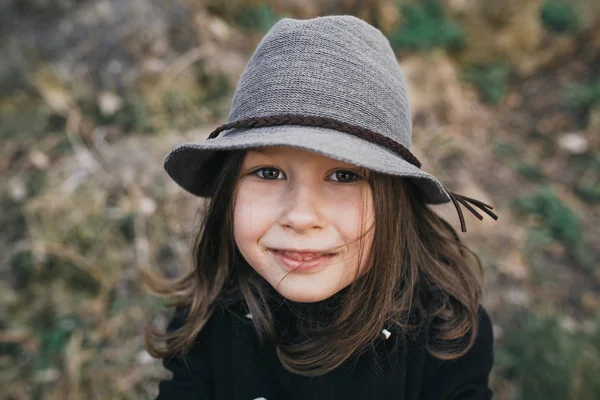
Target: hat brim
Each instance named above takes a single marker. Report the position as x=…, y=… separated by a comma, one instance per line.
x=187, y=163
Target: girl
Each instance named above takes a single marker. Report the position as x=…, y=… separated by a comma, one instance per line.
x=320, y=272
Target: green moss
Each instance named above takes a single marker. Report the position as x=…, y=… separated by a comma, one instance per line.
x=559, y=16
x=134, y=116
x=426, y=27
x=560, y=220
x=547, y=362
x=126, y=227
x=530, y=172
x=589, y=192
x=586, y=167
x=582, y=97
x=489, y=80
x=259, y=17
x=53, y=339
x=505, y=149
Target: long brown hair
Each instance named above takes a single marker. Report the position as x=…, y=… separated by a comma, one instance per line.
x=420, y=275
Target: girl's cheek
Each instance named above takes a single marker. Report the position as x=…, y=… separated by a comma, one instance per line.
x=352, y=210
x=259, y=201
x=253, y=207
x=351, y=199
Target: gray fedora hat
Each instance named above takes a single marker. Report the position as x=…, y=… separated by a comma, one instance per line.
x=331, y=85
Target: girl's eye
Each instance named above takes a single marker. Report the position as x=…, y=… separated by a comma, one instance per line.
x=268, y=173
x=344, y=176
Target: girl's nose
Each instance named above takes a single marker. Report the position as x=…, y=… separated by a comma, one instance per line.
x=303, y=210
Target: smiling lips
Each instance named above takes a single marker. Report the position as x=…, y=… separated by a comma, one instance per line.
x=300, y=256
x=295, y=260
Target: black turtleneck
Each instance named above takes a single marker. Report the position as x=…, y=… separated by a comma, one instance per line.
x=228, y=363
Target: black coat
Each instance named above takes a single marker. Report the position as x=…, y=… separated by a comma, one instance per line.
x=227, y=363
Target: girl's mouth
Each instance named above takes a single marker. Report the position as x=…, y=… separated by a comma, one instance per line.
x=302, y=261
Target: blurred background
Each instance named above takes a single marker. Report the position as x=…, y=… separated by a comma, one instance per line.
x=93, y=94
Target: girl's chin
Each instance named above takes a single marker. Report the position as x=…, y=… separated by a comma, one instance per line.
x=303, y=294
x=304, y=298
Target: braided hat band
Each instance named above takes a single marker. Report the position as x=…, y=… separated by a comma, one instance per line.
x=366, y=134
x=331, y=85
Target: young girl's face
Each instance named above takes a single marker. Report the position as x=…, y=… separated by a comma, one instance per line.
x=291, y=203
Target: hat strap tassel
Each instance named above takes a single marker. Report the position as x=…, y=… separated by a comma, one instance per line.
x=457, y=198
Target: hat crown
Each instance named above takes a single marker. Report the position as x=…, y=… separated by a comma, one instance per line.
x=337, y=67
